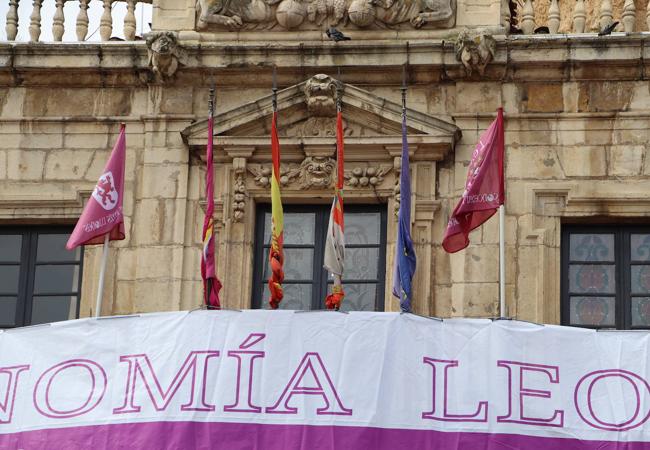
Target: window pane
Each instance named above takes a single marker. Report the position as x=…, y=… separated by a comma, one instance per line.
x=53, y=309
x=296, y=296
x=358, y=297
x=640, y=279
x=298, y=264
x=10, y=246
x=56, y=279
x=595, y=311
x=641, y=311
x=9, y=279
x=362, y=228
x=597, y=279
x=361, y=263
x=51, y=248
x=640, y=247
x=299, y=228
x=591, y=247
x=8, y=311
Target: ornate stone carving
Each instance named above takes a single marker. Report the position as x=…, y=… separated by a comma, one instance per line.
x=165, y=53
x=475, y=50
x=234, y=14
x=262, y=174
x=320, y=95
x=312, y=14
x=239, y=198
x=366, y=176
x=315, y=172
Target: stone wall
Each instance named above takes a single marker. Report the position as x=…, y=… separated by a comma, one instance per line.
x=576, y=141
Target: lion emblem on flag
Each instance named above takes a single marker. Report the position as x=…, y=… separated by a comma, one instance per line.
x=105, y=193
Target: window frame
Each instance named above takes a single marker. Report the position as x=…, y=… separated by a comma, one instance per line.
x=622, y=270
x=27, y=269
x=319, y=289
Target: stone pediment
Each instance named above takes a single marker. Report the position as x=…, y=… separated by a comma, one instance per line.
x=307, y=121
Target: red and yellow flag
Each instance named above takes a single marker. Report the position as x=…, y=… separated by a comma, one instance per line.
x=211, y=284
x=335, y=244
x=276, y=255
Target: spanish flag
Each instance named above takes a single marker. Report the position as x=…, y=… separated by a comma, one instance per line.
x=335, y=243
x=276, y=255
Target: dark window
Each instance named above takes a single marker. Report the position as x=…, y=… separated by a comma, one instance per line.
x=306, y=282
x=606, y=276
x=39, y=279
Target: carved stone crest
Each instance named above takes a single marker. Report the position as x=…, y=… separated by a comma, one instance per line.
x=165, y=53
x=475, y=50
x=312, y=14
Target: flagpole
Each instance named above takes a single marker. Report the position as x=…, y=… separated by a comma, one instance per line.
x=502, y=261
x=102, y=271
x=502, y=227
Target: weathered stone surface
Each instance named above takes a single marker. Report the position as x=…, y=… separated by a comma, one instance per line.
x=542, y=97
x=583, y=161
x=25, y=165
x=626, y=160
x=67, y=164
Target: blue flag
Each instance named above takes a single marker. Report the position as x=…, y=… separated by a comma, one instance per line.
x=405, y=257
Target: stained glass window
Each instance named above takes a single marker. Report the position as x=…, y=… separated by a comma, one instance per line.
x=39, y=279
x=606, y=276
x=306, y=283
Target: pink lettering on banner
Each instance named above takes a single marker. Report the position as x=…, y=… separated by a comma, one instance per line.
x=440, y=409
x=7, y=404
x=95, y=385
x=140, y=367
x=311, y=363
x=583, y=400
x=245, y=362
x=518, y=391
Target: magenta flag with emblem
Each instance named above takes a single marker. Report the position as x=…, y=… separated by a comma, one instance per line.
x=484, y=188
x=103, y=213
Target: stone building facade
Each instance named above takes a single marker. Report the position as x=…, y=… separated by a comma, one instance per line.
x=577, y=110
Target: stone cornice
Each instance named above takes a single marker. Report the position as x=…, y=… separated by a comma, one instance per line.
x=518, y=58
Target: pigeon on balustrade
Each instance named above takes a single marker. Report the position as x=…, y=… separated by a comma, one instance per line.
x=608, y=29
x=336, y=35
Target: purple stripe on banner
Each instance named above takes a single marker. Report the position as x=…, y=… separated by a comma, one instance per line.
x=250, y=436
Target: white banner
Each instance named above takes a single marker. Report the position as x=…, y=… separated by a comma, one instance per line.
x=321, y=380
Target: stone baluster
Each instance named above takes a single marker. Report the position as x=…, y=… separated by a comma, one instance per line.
x=579, y=17
x=629, y=16
x=57, y=22
x=12, y=20
x=106, y=22
x=35, y=21
x=129, y=21
x=553, y=17
x=82, y=20
x=605, y=13
x=528, y=18
x=647, y=15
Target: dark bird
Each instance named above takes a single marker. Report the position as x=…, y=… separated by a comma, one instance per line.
x=336, y=35
x=542, y=30
x=514, y=30
x=608, y=29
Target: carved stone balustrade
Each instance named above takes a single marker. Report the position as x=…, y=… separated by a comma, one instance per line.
x=81, y=24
